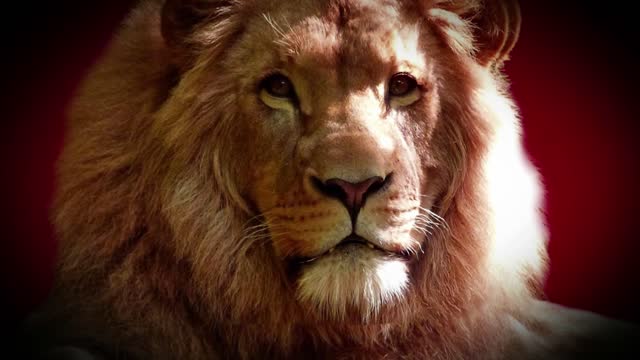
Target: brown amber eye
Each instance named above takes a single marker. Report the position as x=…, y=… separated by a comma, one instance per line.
x=278, y=85
x=402, y=84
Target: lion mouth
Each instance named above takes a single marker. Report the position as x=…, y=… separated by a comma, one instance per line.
x=354, y=242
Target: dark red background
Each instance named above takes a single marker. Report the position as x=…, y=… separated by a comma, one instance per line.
x=573, y=75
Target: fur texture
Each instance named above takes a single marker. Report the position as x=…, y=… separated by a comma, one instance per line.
x=190, y=225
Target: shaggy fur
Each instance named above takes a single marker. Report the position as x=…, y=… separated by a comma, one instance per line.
x=186, y=202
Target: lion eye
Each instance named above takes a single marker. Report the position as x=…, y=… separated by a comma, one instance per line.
x=402, y=84
x=278, y=85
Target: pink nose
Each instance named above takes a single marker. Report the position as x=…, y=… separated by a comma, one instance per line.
x=352, y=195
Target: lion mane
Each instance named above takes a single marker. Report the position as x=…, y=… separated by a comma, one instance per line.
x=167, y=245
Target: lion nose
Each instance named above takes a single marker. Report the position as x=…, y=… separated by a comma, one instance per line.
x=352, y=195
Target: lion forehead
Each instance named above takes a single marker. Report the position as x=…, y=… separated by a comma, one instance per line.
x=354, y=36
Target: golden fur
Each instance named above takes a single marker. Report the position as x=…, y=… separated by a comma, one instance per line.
x=184, y=192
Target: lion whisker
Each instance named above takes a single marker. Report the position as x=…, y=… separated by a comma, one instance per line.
x=434, y=218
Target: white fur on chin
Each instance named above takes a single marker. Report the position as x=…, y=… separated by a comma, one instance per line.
x=352, y=278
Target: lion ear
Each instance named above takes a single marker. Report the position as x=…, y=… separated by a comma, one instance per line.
x=181, y=18
x=490, y=26
x=497, y=30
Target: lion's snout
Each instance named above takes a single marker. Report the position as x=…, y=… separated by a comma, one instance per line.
x=358, y=187
x=351, y=195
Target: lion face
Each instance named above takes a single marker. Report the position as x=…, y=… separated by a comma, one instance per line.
x=341, y=109
x=346, y=133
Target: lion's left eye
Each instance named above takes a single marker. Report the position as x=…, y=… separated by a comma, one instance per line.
x=277, y=92
x=279, y=86
x=402, y=84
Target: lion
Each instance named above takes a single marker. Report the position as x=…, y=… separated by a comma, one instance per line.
x=318, y=179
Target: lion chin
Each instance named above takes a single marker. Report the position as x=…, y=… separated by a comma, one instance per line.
x=354, y=277
x=319, y=178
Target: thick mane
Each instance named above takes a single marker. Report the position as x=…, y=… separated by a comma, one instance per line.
x=158, y=210
x=153, y=225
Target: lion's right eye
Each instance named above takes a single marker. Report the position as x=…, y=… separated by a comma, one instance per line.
x=278, y=85
x=403, y=90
